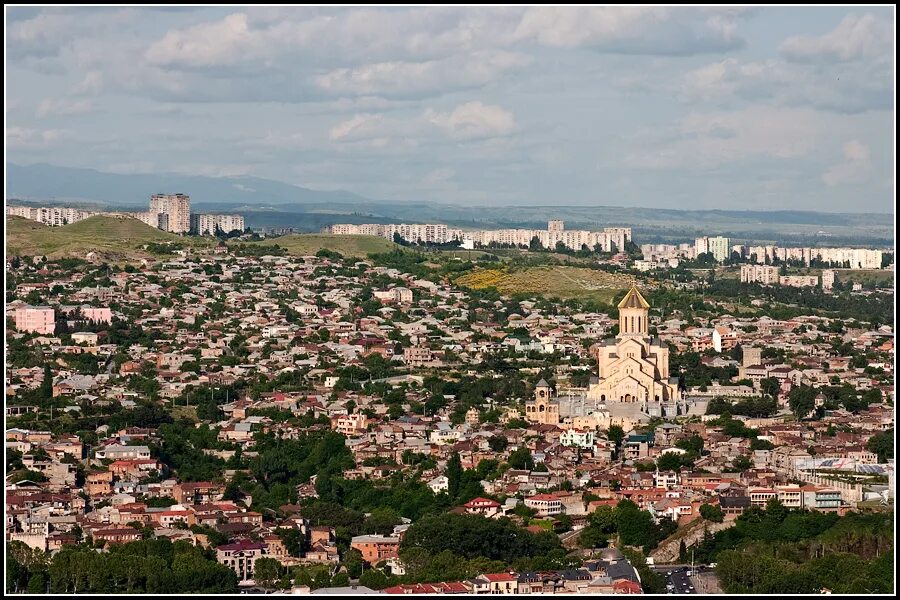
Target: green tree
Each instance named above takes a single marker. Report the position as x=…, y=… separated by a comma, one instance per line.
x=454, y=473
x=712, y=513
x=266, y=571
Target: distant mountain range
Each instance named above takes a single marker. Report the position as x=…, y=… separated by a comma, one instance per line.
x=49, y=182
x=268, y=203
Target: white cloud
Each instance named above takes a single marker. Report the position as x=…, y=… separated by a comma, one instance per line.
x=707, y=140
x=864, y=87
x=357, y=127
x=63, y=107
x=473, y=120
x=25, y=138
x=856, y=37
x=222, y=43
x=415, y=78
x=632, y=29
x=857, y=165
x=92, y=84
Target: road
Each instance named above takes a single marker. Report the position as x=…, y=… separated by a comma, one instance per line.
x=677, y=580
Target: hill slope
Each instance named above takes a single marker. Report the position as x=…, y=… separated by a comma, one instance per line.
x=113, y=237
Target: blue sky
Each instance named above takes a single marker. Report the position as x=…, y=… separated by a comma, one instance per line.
x=760, y=108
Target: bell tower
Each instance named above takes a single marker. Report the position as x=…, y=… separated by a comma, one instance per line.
x=633, y=312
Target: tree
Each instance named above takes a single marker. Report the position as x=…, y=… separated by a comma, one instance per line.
x=521, y=458
x=266, y=571
x=802, y=400
x=454, y=473
x=882, y=444
x=712, y=513
x=770, y=386
x=497, y=443
x=616, y=434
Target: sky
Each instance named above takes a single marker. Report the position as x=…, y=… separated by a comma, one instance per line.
x=761, y=108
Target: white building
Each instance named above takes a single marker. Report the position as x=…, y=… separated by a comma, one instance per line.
x=209, y=224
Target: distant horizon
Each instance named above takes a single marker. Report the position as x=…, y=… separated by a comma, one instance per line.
x=365, y=199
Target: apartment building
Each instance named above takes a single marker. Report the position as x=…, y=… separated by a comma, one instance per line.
x=53, y=216
x=763, y=274
x=608, y=239
x=209, y=224
x=176, y=207
x=799, y=280
x=36, y=319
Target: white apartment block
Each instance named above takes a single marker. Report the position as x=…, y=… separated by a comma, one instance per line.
x=718, y=246
x=827, y=280
x=763, y=274
x=852, y=258
x=54, y=216
x=208, y=224
x=438, y=233
x=177, y=208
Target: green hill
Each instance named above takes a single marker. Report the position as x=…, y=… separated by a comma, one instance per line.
x=305, y=244
x=114, y=237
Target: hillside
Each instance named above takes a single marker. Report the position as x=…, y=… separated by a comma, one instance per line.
x=306, y=244
x=557, y=281
x=115, y=238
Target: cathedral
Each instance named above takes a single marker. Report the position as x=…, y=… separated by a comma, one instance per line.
x=632, y=382
x=634, y=368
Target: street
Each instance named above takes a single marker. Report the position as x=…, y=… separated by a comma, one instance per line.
x=677, y=580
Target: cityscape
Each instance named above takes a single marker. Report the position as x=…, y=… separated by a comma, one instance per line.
x=486, y=381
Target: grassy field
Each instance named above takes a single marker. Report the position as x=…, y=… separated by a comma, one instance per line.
x=115, y=238
x=557, y=281
x=879, y=277
x=306, y=244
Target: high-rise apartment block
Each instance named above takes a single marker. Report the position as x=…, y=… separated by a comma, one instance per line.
x=176, y=207
x=827, y=280
x=720, y=248
x=204, y=224
x=717, y=246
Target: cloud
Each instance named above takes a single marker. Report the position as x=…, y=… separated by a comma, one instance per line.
x=855, y=38
x=25, y=138
x=228, y=42
x=473, y=120
x=357, y=127
x=63, y=107
x=466, y=122
x=91, y=84
x=632, y=29
x=393, y=79
x=857, y=165
x=709, y=140
x=862, y=88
